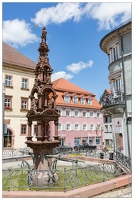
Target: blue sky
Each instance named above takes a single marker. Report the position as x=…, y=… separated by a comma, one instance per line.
x=74, y=32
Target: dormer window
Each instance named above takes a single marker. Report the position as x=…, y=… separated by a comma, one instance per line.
x=90, y=101
x=67, y=98
x=75, y=99
x=83, y=100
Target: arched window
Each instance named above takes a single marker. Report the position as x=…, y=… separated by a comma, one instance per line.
x=90, y=101
x=75, y=99
x=67, y=98
x=76, y=127
x=7, y=139
x=83, y=100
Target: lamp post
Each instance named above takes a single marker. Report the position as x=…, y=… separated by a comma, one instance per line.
x=102, y=136
x=3, y=106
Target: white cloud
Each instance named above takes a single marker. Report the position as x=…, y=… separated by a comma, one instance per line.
x=108, y=15
x=61, y=74
x=58, y=14
x=18, y=33
x=77, y=67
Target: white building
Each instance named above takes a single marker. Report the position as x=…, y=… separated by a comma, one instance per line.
x=118, y=46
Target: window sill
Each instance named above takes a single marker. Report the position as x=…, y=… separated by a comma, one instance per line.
x=25, y=89
x=23, y=110
x=9, y=87
x=8, y=108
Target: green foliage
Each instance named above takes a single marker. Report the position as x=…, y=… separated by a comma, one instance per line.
x=68, y=178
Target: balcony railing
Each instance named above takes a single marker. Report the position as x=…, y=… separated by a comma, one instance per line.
x=117, y=97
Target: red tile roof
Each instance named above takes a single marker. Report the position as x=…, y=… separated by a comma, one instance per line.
x=62, y=86
x=12, y=56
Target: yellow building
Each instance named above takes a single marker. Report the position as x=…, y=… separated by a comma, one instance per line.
x=18, y=77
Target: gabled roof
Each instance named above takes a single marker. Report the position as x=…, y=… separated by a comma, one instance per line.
x=62, y=86
x=12, y=56
x=66, y=86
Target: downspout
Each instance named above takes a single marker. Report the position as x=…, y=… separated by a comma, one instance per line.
x=123, y=70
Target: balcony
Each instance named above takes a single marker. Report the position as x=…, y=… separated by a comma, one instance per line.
x=111, y=99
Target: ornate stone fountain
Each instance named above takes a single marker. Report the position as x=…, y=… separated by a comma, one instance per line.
x=43, y=110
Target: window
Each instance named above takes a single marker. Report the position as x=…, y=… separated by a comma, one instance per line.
x=84, y=127
x=91, y=141
x=8, y=102
x=98, y=127
x=91, y=114
x=23, y=129
x=24, y=83
x=35, y=130
x=60, y=112
x=75, y=99
x=105, y=119
x=106, y=128
x=97, y=140
x=8, y=80
x=90, y=102
x=117, y=84
x=83, y=100
x=68, y=127
x=59, y=126
x=24, y=103
x=7, y=138
x=84, y=140
x=67, y=112
x=67, y=98
x=98, y=114
x=84, y=114
x=76, y=113
x=91, y=126
x=114, y=53
x=76, y=141
x=76, y=127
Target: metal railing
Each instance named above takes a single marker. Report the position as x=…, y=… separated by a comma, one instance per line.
x=113, y=98
x=24, y=177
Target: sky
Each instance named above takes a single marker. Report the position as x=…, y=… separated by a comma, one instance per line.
x=74, y=32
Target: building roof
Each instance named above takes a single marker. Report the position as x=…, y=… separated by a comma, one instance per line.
x=62, y=86
x=66, y=86
x=12, y=56
x=123, y=28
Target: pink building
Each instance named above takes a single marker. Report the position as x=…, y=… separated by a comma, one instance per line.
x=80, y=118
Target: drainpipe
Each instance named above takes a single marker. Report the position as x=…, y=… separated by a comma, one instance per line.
x=122, y=55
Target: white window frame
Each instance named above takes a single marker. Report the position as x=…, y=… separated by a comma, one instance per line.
x=59, y=111
x=8, y=80
x=92, y=125
x=67, y=98
x=75, y=113
x=68, y=114
x=83, y=100
x=84, y=127
x=114, y=53
x=24, y=83
x=59, y=126
x=92, y=113
x=8, y=101
x=68, y=125
x=90, y=101
x=76, y=129
x=75, y=99
x=83, y=113
x=98, y=113
x=24, y=103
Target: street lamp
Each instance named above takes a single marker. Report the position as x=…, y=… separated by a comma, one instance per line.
x=3, y=105
x=102, y=136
